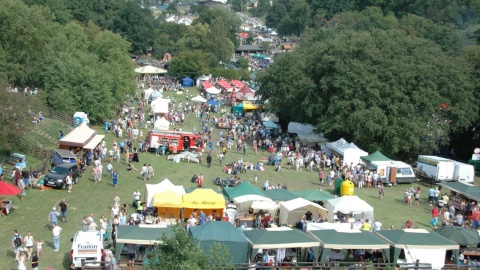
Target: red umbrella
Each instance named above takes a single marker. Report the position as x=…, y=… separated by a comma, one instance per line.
x=7, y=189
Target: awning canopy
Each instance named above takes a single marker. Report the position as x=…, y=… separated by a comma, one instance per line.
x=470, y=191
x=416, y=238
x=314, y=195
x=376, y=156
x=282, y=237
x=199, y=99
x=78, y=137
x=94, y=142
x=140, y=235
x=351, y=239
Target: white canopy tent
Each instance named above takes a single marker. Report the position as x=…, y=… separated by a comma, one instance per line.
x=160, y=105
x=300, y=129
x=245, y=201
x=150, y=70
x=163, y=186
x=352, y=205
x=350, y=152
x=213, y=91
x=147, y=93
x=269, y=117
x=264, y=205
x=162, y=124
x=199, y=98
x=292, y=211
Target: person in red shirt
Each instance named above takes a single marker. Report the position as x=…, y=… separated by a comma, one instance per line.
x=200, y=181
x=409, y=224
x=434, y=216
x=476, y=219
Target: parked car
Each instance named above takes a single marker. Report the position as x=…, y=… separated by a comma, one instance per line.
x=57, y=175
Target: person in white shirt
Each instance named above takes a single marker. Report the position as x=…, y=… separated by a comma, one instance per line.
x=56, y=231
x=136, y=197
x=377, y=226
x=144, y=172
x=109, y=169
x=115, y=210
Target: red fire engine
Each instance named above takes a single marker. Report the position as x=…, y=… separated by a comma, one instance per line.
x=176, y=141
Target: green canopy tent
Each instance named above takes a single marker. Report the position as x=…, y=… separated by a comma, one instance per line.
x=314, y=195
x=224, y=233
x=238, y=109
x=245, y=188
x=469, y=191
x=279, y=194
x=377, y=156
x=259, y=56
x=352, y=239
x=283, y=237
x=419, y=244
x=140, y=235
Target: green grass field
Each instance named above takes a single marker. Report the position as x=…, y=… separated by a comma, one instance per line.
x=88, y=197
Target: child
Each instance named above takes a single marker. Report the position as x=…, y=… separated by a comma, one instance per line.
x=41, y=182
x=39, y=247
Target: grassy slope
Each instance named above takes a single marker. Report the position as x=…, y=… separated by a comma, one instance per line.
x=88, y=197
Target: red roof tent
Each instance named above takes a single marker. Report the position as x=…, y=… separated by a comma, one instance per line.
x=206, y=85
x=223, y=84
x=245, y=92
x=237, y=84
x=243, y=35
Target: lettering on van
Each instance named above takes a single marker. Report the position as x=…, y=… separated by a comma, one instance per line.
x=87, y=248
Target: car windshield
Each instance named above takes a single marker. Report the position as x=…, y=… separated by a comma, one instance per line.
x=59, y=170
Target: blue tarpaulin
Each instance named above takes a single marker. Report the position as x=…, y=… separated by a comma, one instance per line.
x=187, y=82
x=212, y=102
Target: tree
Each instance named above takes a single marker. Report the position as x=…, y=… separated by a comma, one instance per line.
x=189, y=63
x=230, y=20
x=242, y=63
x=15, y=116
x=180, y=251
x=217, y=44
x=275, y=14
x=136, y=25
x=381, y=89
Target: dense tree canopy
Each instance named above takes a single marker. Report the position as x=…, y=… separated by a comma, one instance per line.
x=78, y=67
x=383, y=89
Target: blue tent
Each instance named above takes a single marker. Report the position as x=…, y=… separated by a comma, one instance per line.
x=187, y=82
x=212, y=102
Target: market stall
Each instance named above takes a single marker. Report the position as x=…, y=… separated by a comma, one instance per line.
x=233, y=239
x=376, y=156
x=462, y=192
x=418, y=244
x=351, y=154
x=292, y=211
x=168, y=204
x=82, y=137
x=278, y=238
x=350, y=239
x=165, y=185
x=140, y=235
x=349, y=205
x=203, y=199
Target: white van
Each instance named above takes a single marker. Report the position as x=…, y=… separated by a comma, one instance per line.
x=88, y=246
x=464, y=172
x=392, y=172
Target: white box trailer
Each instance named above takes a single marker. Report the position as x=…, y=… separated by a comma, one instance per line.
x=464, y=172
x=392, y=172
x=437, y=168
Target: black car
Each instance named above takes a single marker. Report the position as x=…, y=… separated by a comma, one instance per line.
x=56, y=176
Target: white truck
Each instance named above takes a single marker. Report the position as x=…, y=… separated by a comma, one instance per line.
x=393, y=172
x=464, y=173
x=87, y=246
x=435, y=168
